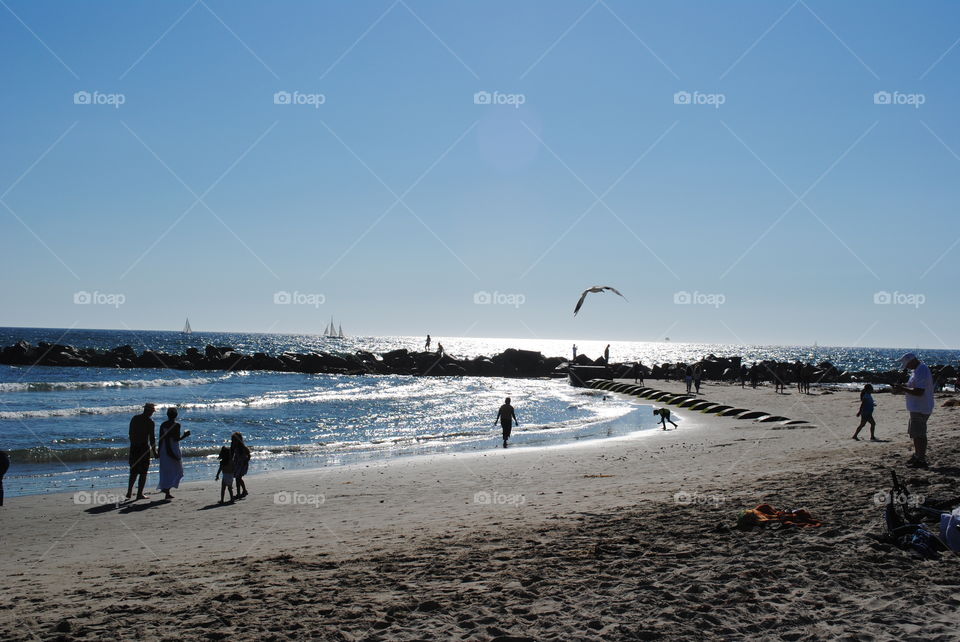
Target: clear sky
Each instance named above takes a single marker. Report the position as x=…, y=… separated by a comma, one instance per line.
x=781, y=193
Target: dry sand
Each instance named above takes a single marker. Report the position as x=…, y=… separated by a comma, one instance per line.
x=572, y=542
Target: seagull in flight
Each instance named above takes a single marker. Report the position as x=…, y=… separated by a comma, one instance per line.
x=596, y=288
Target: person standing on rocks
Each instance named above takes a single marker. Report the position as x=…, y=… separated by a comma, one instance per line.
x=426, y=346
x=507, y=417
x=143, y=445
x=574, y=351
x=919, y=398
x=606, y=355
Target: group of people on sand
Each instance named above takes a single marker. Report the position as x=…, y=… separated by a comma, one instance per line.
x=918, y=392
x=780, y=374
x=144, y=446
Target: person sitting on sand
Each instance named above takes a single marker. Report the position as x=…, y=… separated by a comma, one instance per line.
x=240, y=456
x=171, y=462
x=507, y=416
x=664, y=417
x=866, y=412
x=225, y=469
x=143, y=444
x=4, y=467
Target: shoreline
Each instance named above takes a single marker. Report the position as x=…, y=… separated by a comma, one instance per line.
x=450, y=450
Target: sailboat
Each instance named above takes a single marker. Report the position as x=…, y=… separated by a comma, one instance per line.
x=332, y=331
x=186, y=327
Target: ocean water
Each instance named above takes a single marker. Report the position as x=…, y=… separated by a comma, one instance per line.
x=66, y=428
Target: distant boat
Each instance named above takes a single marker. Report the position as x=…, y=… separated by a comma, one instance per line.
x=186, y=327
x=332, y=331
x=666, y=338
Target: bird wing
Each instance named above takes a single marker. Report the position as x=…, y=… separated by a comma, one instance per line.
x=580, y=302
x=615, y=291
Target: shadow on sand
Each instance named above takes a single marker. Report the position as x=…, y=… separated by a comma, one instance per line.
x=136, y=508
x=217, y=505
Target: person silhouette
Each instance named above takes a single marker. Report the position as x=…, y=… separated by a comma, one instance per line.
x=143, y=445
x=426, y=346
x=507, y=416
x=171, y=459
x=4, y=467
x=606, y=354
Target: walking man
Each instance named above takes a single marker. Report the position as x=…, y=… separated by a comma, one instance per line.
x=507, y=417
x=143, y=445
x=919, y=397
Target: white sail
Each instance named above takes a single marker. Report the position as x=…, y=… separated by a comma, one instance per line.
x=186, y=327
x=340, y=333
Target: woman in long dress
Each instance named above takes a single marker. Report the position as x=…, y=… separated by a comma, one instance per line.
x=171, y=464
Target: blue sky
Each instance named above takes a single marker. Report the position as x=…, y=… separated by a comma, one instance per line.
x=785, y=212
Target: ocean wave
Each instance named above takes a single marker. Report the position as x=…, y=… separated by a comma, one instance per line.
x=58, y=386
x=279, y=398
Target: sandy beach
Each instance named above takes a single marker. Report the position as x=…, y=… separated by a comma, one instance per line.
x=626, y=538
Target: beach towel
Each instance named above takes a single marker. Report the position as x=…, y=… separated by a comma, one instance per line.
x=767, y=515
